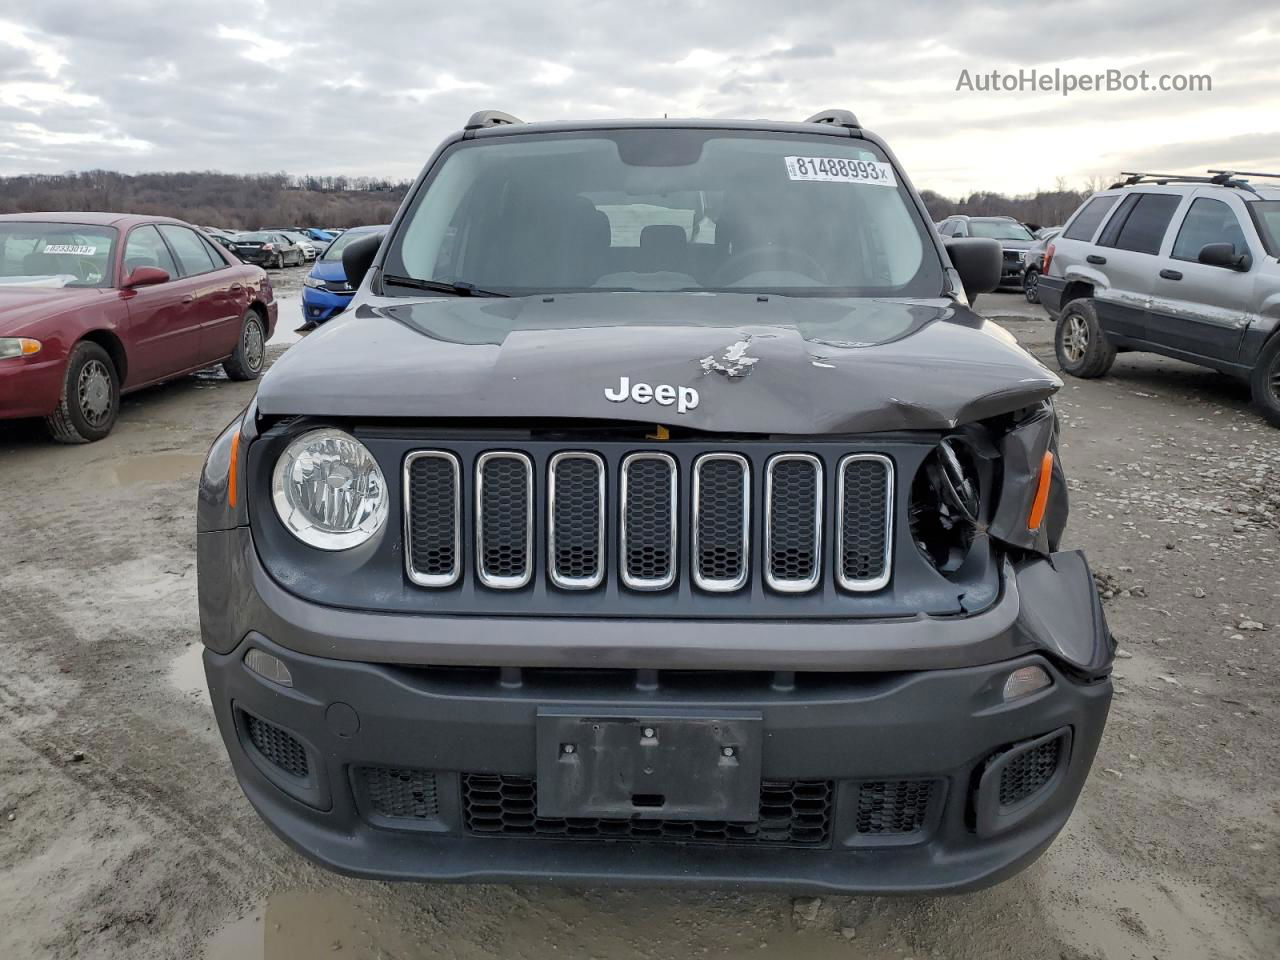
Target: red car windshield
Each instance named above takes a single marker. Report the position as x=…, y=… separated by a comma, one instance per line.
x=56, y=254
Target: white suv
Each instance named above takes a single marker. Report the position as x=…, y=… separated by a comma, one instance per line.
x=1181, y=266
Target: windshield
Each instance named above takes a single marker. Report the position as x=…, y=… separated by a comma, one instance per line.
x=334, y=250
x=1266, y=214
x=56, y=254
x=999, y=230
x=667, y=210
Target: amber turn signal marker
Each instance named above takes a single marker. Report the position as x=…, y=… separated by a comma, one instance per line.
x=232, y=473
x=1041, y=501
x=28, y=346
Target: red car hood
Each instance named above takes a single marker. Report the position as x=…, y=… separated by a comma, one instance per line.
x=22, y=306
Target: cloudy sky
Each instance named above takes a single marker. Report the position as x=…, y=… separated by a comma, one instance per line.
x=327, y=88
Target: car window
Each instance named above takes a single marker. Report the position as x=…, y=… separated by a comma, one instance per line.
x=1085, y=223
x=669, y=210
x=144, y=248
x=1208, y=221
x=191, y=252
x=334, y=250
x=1266, y=217
x=218, y=259
x=1143, y=229
x=55, y=254
x=999, y=230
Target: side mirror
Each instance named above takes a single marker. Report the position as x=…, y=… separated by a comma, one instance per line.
x=979, y=262
x=358, y=256
x=146, y=277
x=1224, y=255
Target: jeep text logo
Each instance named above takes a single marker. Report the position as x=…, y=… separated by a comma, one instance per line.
x=685, y=398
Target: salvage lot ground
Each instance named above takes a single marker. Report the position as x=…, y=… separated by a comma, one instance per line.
x=123, y=833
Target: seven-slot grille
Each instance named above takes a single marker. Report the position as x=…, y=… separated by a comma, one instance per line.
x=577, y=506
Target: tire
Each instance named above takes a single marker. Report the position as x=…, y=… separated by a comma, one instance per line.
x=1031, y=286
x=251, y=350
x=90, y=399
x=1265, y=381
x=1082, y=348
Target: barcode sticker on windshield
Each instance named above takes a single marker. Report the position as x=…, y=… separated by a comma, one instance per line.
x=75, y=249
x=832, y=170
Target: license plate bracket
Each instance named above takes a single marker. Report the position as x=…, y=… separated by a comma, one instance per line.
x=659, y=766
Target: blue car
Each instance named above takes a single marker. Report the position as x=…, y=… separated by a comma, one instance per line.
x=326, y=292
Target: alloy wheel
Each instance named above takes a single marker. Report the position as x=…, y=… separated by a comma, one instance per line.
x=1075, y=339
x=93, y=392
x=254, y=349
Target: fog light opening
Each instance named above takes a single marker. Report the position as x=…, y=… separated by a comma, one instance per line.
x=1025, y=681
x=273, y=668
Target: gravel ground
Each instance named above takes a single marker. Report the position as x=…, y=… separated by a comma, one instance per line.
x=124, y=834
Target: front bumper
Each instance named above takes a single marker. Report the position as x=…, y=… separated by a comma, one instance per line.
x=321, y=305
x=432, y=733
x=31, y=386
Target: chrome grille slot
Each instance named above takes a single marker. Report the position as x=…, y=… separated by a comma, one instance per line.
x=864, y=521
x=648, y=524
x=504, y=519
x=793, y=522
x=721, y=521
x=433, y=518
x=575, y=520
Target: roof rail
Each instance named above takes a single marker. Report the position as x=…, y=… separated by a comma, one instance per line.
x=490, y=118
x=839, y=118
x=1221, y=178
x=1247, y=173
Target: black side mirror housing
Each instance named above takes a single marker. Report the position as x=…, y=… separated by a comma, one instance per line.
x=1224, y=255
x=979, y=262
x=358, y=256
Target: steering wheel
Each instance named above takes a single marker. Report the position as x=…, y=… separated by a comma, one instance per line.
x=85, y=270
x=758, y=258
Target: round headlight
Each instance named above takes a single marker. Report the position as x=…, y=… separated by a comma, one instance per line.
x=329, y=491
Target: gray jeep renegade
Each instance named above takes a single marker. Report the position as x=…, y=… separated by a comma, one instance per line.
x=658, y=512
x=1181, y=266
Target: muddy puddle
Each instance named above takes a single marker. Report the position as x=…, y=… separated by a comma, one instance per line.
x=157, y=468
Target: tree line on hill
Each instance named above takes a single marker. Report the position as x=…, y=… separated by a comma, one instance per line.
x=253, y=201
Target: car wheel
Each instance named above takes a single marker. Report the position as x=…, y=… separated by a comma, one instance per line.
x=90, y=399
x=1083, y=349
x=251, y=351
x=1031, y=286
x=1265, y=381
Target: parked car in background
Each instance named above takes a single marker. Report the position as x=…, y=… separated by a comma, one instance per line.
x=1014, y=238
x=269, y=248
x=95, y=305
x=318, y=236
x=1181, y=266
x=325, y=291
x=226, y=243
x=301, y=239
x=1035, y=262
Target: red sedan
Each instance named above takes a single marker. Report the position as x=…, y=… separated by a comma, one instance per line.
x=94, y=305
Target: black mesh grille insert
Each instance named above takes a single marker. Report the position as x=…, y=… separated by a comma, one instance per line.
x=720, y=530
x=576, y=515
x=1030, y=770
x=276, y=745
x=888, y=807
x=504, y=525
x=793, y=521
x=649, y=551
x=400, y=794
x=863, y=520
x=433, y=520
x=792, y=813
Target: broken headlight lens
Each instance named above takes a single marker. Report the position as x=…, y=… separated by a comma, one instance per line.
x=329, y=491
x=946, y=504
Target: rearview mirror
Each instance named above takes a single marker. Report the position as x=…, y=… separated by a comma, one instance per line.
x=978, y=261
x=1224, y=255
x=146, y=277
x=357, y=258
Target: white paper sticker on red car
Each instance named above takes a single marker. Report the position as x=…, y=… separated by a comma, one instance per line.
x=76, y=250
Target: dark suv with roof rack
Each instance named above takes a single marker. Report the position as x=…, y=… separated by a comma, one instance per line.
x=1181, y=266
x=657, y=512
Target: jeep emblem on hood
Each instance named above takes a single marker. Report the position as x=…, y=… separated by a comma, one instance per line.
x=685, y=398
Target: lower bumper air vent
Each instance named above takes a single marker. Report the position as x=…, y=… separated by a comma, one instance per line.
x=893, y=807
x=276, y=746
x=399, y=794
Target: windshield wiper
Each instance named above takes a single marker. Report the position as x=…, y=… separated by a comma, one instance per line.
x=459, y=288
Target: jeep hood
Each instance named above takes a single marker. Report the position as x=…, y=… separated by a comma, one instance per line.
x=775, y=365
